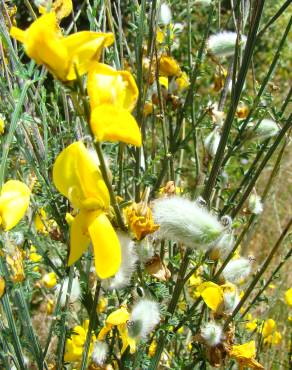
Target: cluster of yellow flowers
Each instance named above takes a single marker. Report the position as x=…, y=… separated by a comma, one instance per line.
x=113, y=95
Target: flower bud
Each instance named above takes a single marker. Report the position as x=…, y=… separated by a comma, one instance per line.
x=184, y=221
x=223, y=43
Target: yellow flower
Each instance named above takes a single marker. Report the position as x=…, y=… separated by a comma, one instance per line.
x=15, y=261
x=159, y=36
x=140, y=220
x=2, y=124
x=49, y=280
x=75, y=344
x=288, y=297
x=152, y=348
x=268, y=328
x=274, y=338
x=113, y=95
x=212, y=295
x=50, y=306
x=34, y=256
x=2, y=286
x=62, y=8
x=245, y=354
x=14, y=201
x=78, y=178
x=163, y=81
x=44, y=43
x=42, y=223
x=252, y=324
x=182, y=81
x=168, y=66
x=102, y=304
x=119, y=318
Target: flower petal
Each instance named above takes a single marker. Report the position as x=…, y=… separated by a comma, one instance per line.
x=79, y=236
x=107, y=86
x=212, y=295
x=14, y=201
x=106, y=246
x=83, y=48
x=111, y=124
x=77, y=176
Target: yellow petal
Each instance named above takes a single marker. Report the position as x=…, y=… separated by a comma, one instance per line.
x=83, y=48
x=14, y=201
x=103, y=332
x=79, y=235
x=44, y=43
x=106, y=246
x=118, y=317
x=107, y=86
x=246, y=350
x=212, y=295
x=77, y=176
x=111, y=124
x=269, y=327
x=126, y=339
x=2, y=286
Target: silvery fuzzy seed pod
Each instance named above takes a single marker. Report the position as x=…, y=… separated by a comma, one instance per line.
x=129, y=259
x=255, y=204
x=185, y=222
x=225, y=244
x=99, y=352
x=211, y=143
x=265, y=129
x=212, y=334
x=222, y=44
x=237, y=269
x=164, y=14
x=144, y=317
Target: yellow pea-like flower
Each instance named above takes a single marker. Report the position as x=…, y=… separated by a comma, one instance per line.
x=119, y=318
x=44, y=42
x=245, y=355
x=113, y=95
x=77, y=176
x=212, y=295
x=14, y=201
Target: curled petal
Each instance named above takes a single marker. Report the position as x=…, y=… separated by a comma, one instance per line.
x=111, y=124
x=14, y=201
x=106, y=246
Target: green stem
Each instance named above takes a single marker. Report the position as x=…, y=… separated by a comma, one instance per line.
x=91, y=326
x=248, y=52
